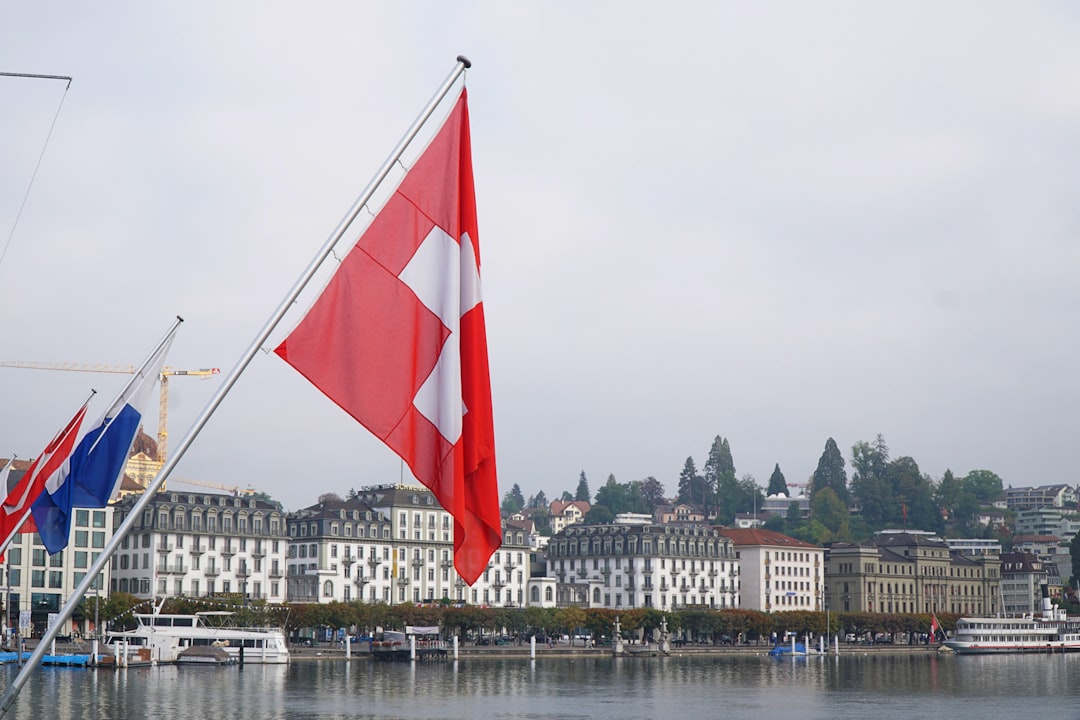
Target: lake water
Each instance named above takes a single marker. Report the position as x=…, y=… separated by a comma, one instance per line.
x=884, y=687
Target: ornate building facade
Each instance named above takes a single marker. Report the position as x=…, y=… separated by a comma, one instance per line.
x=905, y=572
x=201, y=545
x=643, y=566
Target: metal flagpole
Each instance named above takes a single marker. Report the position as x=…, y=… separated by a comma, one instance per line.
x=4, y=474
x=135, y=513
x=99, y=564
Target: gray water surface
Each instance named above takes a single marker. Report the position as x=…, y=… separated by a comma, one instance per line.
x=675, y=688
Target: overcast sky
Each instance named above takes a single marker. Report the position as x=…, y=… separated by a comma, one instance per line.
x=775, y=222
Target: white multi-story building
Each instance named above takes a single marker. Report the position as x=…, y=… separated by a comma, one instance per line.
x=643, y=566
x=43, y=583
x=421, y=548
x=778, y=572
x=1047, y=521
x=202, y=545
x=1027, y=498
x=339, y=551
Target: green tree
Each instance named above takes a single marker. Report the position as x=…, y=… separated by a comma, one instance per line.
x=691, y=485
x=827, y=509
x=777, y=483
x=966, y=514
x=914, y=496
x=875, y=496
x=569, y=619
x=652, y=491
x=539, y=500
x=541, y=518
x=635, y=498
x=830, y=472
x=613, y=496
x=583, y=494
x=513, y=501
x=947, y=493
x=599, y=515
x=984, y=484
x=721, y=485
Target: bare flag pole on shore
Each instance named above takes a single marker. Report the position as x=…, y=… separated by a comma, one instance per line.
x=136, y=511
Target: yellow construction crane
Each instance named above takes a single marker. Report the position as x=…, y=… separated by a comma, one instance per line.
x=234, y=489
x=166, y=373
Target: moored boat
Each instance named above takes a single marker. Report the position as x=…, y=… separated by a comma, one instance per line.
x=165, y=637
x=1052, y=632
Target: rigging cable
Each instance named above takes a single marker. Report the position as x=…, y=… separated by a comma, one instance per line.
x=41, y=156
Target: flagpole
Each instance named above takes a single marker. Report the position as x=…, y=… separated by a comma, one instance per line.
x=135, y=378
x=99, y=564
x=135, y=513
x=4, y=474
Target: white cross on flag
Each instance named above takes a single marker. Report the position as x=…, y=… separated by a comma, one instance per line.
x=397, y=340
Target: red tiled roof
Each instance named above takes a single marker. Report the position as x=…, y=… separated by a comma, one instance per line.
x=761, y=536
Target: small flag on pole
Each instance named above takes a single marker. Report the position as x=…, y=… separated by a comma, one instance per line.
x=397, y=340
x=89, y=478
x=15, y=511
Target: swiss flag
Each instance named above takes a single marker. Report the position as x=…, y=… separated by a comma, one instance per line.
x=16, y=505
x=397, y=340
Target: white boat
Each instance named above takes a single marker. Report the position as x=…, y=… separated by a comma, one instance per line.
x=164, y=637
x=1052, y=632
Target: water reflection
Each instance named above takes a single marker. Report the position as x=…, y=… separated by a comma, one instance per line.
x=852, y=686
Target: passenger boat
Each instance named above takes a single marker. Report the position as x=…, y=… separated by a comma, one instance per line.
x=167, y=636
x=1052, y=632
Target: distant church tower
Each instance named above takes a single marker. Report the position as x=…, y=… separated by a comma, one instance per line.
x=142, y=464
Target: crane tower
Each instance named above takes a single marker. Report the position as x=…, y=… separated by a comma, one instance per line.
x=166, y=373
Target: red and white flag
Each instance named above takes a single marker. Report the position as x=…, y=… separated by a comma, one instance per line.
x=397, y=340
x=935, y=627
x=17, y=503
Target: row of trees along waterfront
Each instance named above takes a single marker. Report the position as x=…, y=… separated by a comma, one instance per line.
x=692, y=624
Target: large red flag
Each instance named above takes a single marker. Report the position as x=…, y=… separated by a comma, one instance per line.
x=397, y=340
x=17, y=502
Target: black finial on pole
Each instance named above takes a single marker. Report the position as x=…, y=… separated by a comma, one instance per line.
x=464, y=61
